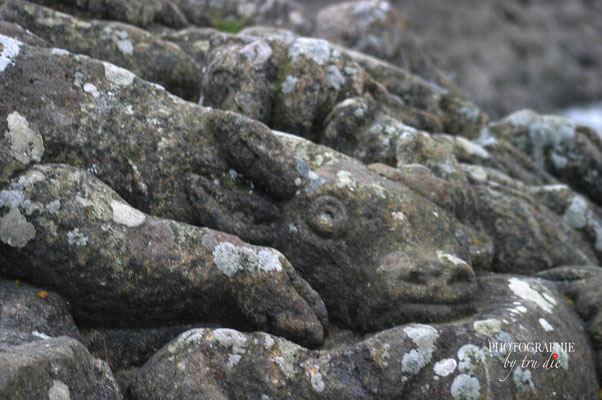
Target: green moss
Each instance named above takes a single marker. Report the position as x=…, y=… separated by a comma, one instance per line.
x=229, y=26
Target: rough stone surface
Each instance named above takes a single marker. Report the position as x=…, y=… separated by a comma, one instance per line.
x=137, y=12
x=119, y=266
x=377, y=28
x=350, y=232
x=298, y=81
x=401, y=362
x=508, y=211
x=568, y=151
x=34, y=311
x=233, y=15
x=129, y=47
x=55, y=368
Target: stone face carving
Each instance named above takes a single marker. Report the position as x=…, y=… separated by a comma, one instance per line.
x=358, y=234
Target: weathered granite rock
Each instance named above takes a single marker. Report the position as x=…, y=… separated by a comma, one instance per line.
x=137, y=12
x=292, y=84
x=126, y=350
x=372, y=27
x=153, y=59
x=527, y=236
x=575, y=210
x=35, y=311
x=451, y=361
x=57, y=368
x=233, y=15
x=364, y=242
x=583, y=284
x=570, y=152
x=121, y=267
x=16, y=31
x=376, y=27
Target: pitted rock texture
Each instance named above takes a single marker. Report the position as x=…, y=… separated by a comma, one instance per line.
x=129, y=47
x=34, y=310
x=120, y=267
x=411, y=361
x=233, y=15
x=139, y=212
x=56, y=368
x=351, y=233
x=292, y=83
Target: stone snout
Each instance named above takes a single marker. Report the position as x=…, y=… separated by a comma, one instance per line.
x=443, y=279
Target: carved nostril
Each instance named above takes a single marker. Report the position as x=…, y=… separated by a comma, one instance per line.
x=460, y=273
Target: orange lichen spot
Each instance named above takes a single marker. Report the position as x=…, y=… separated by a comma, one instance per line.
x=18, y=282
x=570, y=301
x=476, y=241
x=43, y=294
x=313, y=371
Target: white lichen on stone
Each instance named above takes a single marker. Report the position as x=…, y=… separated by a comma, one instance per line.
x=288, y=358
x=9, y=50
x=545, y=132
x=92, y=89
x=230, y=259
x=576, y=215
x=523, y=290
x=445, y=366
x=317, y=383
x=465, y=387
x=476, y=173
x=334, y=79
x=59, y=52
x=11, y=198
x=563, y=358
x=424, y=336
x=117, y=75
x=472, y=148
x=545, y=325
x=53, y=207
x=487, y=327
x=317, y=50
x=41, y=335
x=257, y=52
x=450, y=258
x=469, y=356
x=289, y=84
x=15, y=231
x=77, y=238
x=126, y=215
x=58, y=391
x=25, y=144
x=345, y=180
x=126, y=47
x=233, y=340
x=523, y=381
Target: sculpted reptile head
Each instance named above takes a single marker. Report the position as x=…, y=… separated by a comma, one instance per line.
x=377, y=252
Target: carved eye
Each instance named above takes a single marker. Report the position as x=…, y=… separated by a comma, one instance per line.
x=328, y=217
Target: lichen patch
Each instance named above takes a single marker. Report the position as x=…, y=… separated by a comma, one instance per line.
x=25, y=144
x=15, y=231
x=9, y=50
x=118, y=75
x=523, y=290
x=126, y=215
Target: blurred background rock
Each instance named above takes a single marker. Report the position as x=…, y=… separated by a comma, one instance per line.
x=505, y=54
